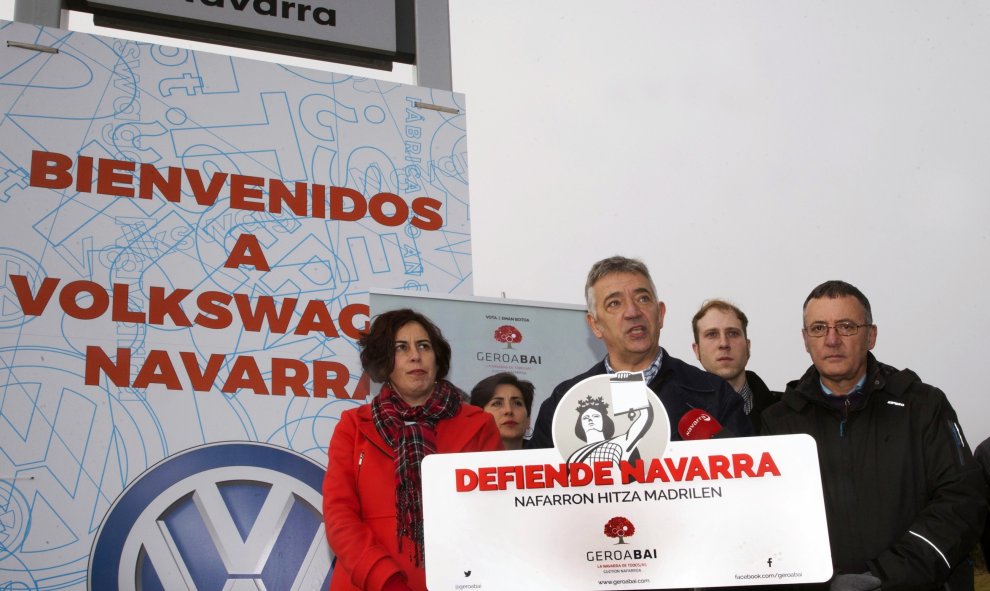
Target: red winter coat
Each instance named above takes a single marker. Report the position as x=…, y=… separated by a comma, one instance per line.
x=359, y=495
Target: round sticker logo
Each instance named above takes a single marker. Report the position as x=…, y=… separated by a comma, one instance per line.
x=610, y=418
x=220, y=516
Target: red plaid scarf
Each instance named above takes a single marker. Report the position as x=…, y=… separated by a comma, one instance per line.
x=411, y=432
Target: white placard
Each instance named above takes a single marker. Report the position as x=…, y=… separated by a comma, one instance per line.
x=724, y=512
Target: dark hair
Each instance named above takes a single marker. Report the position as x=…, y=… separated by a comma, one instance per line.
x=718, y=305
x=378, y=344
x=835, y=288
x=613, y=264
x=483, y=391
x=608, y=425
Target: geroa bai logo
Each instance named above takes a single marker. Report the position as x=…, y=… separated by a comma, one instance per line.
x=619, y=527
x=219, y=516
x=507, y=334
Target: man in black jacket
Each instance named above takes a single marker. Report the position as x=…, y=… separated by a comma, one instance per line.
x=625, y=313
x=904, y=499
x=721, y=344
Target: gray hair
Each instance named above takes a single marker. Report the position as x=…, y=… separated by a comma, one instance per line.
x=613, y=264
x=839, y=289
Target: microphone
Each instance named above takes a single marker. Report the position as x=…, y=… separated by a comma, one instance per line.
x=697, y=424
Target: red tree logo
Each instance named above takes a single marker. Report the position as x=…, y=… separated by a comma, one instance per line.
x=619, y=527
x=508, y=334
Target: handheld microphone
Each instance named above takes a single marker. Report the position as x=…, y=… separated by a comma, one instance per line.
x=697, y=424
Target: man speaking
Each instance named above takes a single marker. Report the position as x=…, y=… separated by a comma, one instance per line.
x=625, y=313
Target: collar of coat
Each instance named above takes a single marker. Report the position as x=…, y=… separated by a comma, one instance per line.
x=882, y=381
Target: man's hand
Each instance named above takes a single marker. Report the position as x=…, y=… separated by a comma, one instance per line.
x=863, y=582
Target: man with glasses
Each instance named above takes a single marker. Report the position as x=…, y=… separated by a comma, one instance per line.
x=904, y=499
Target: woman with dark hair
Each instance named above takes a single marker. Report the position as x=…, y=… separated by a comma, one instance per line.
x=372, y=494
x=509, y=400
x=597, y=428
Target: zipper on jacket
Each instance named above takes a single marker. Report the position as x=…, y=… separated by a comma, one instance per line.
x=360, y=461
x=845, y=417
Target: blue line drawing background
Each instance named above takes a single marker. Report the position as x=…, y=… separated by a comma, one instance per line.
x=66, y=449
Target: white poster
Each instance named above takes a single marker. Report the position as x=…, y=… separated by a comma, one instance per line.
x=697, y=517
x=188, y=241
x=539, y=342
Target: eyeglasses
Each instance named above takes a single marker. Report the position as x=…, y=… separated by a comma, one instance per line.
x=845, y=329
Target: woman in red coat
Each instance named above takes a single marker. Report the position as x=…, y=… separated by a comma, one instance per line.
x=372, y=495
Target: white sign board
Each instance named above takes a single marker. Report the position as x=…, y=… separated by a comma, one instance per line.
x=696, y=517
x=538, y=342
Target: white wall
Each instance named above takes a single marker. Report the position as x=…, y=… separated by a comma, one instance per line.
x=747, y=150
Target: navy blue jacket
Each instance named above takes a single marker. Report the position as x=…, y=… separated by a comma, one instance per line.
x=679, y=386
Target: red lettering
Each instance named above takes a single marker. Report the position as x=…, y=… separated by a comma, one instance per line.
x=283, y=380
x=121, y=311
x=245, y=374
x=718, y=467
x=157, y=369
x=245, y=188
x=534, y=477
x=506, y=474
x=767, y=465
x=358, y=204
x=696, y=470
x=657, y=472
x=33, y=305
x=84, y=174
x=555, y=475
x=110, y=181
x=581, y=474
x=264, y=310
x=632, y=472
x=151, y=178
x=50, y=170
x=603, y=473
x=161, y=305
x=316, y=317
x=428, y=210
x=486, y=479
x=205, y=196
x=279, y=194
x=213, y=311
x=742, y=465
x=202, y=381
x=247, y=251
x=97, y=362
x=69, y=300
x=467, y=480
x=322, y=383
x=318, y=195
x=378, y=213
x=347, y=317
x=676, y=470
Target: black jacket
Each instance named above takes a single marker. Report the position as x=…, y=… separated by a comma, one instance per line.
x=679, y=386
x=762, y=398
x=904, y=498
x=982, y=455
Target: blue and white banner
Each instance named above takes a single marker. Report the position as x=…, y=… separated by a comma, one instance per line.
x=188, y=241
